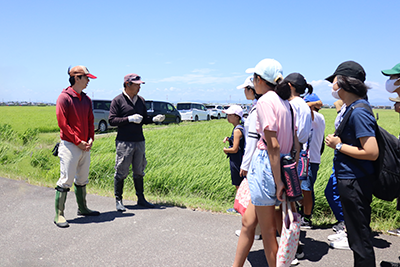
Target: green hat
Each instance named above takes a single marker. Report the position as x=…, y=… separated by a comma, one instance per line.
x=392, y=71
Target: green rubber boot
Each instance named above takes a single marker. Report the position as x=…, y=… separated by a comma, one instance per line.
x=61, y=197
x=80, y=193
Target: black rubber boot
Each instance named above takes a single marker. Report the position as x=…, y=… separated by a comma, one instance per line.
x=80, y=193
x=118, y=190
x=138, y=181
x=61, y=197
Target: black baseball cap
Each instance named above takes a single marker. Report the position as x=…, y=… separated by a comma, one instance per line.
x=349, y=69
x=296, y=79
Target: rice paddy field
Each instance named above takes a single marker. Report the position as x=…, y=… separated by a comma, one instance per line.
x=186, y=164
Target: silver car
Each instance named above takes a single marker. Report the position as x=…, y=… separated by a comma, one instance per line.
x=101, y=109
x=216, y=111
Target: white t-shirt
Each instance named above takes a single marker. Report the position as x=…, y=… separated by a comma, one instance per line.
x=318, y=128
x=303, y=118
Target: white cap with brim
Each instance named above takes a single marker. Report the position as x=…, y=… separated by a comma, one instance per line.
x=395, y=99
x=247, y=82
x=269, y=69
x=234, y=109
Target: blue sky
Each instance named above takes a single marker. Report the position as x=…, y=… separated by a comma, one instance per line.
x=190, y=50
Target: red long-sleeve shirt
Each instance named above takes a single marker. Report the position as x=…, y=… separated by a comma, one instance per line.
x=75, y=116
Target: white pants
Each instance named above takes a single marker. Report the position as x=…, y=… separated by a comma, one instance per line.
x=74, y=165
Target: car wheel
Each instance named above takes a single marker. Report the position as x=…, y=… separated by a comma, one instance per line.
x=102, y=126
x=208, y=117
x=196, y=118
x=177, y=120
x=219, y=116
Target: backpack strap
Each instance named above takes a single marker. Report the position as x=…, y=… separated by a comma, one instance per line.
x=342, y=124
x=346, y=117
x=241, y=129
x=294, y=151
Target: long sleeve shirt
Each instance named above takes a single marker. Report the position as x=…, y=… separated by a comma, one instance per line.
x=122, y=107
x=75, y=116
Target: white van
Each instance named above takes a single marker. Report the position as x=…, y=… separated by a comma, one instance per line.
x=101, y=109
x=192, y=111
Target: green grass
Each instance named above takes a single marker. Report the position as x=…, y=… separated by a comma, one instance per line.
x=186, y=164
x=21, y=118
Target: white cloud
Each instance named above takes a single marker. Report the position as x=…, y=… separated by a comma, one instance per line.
x=320, y=83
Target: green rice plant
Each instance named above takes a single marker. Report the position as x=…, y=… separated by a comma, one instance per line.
x=23, y=117
x=41, y=159
x=30, y=135
x=6, y=132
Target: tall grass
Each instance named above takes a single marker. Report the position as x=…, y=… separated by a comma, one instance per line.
x=186, y=164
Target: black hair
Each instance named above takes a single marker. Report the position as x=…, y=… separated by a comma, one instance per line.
x=283, y=90
x=352, y=85
x=127, y=84
x=72, y=79
x=302, y=90
x=256, y=96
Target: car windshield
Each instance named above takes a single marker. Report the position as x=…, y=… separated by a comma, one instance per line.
x=148, y=105
x=183, y=106
x=211, y=107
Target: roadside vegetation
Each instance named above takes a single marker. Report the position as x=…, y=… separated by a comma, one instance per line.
x=186, y=164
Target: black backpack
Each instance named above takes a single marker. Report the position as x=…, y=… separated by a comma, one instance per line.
x=387, y=167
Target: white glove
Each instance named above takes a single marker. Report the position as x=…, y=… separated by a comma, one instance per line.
x=159, y=118
x=135, y=118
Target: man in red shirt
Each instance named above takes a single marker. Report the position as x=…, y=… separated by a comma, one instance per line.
x=75, y=119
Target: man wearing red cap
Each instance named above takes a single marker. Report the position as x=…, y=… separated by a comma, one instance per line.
x=128, y=112
x=75, y=119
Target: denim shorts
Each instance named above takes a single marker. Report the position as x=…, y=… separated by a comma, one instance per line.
x=308, y=184
x=261, y=181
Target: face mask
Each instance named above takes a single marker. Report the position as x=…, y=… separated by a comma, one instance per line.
x=335, y=93
x=390, y=87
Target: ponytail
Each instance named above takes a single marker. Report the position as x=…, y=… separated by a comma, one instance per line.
x=310, y=88
x=283, y=90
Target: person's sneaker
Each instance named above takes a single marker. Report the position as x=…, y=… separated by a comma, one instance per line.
x=394, y=232
x=231, y=210
x=389, y=264
x=294, y=262
x=256, y=237
x=339, y=235
x=305, y=223
x=299, y=252
x=342, y=243
x=339, y=226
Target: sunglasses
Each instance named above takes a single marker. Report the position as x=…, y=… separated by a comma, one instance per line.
x=137, y=78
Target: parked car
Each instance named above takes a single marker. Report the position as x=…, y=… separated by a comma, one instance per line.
x=246, y=110
x=165, y=108
x=215, y=111
x=191, y=111
x=101, y=109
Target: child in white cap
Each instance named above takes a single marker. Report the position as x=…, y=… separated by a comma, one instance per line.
x=235, y=151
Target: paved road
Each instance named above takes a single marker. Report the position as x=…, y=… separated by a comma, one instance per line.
x=166, y=236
